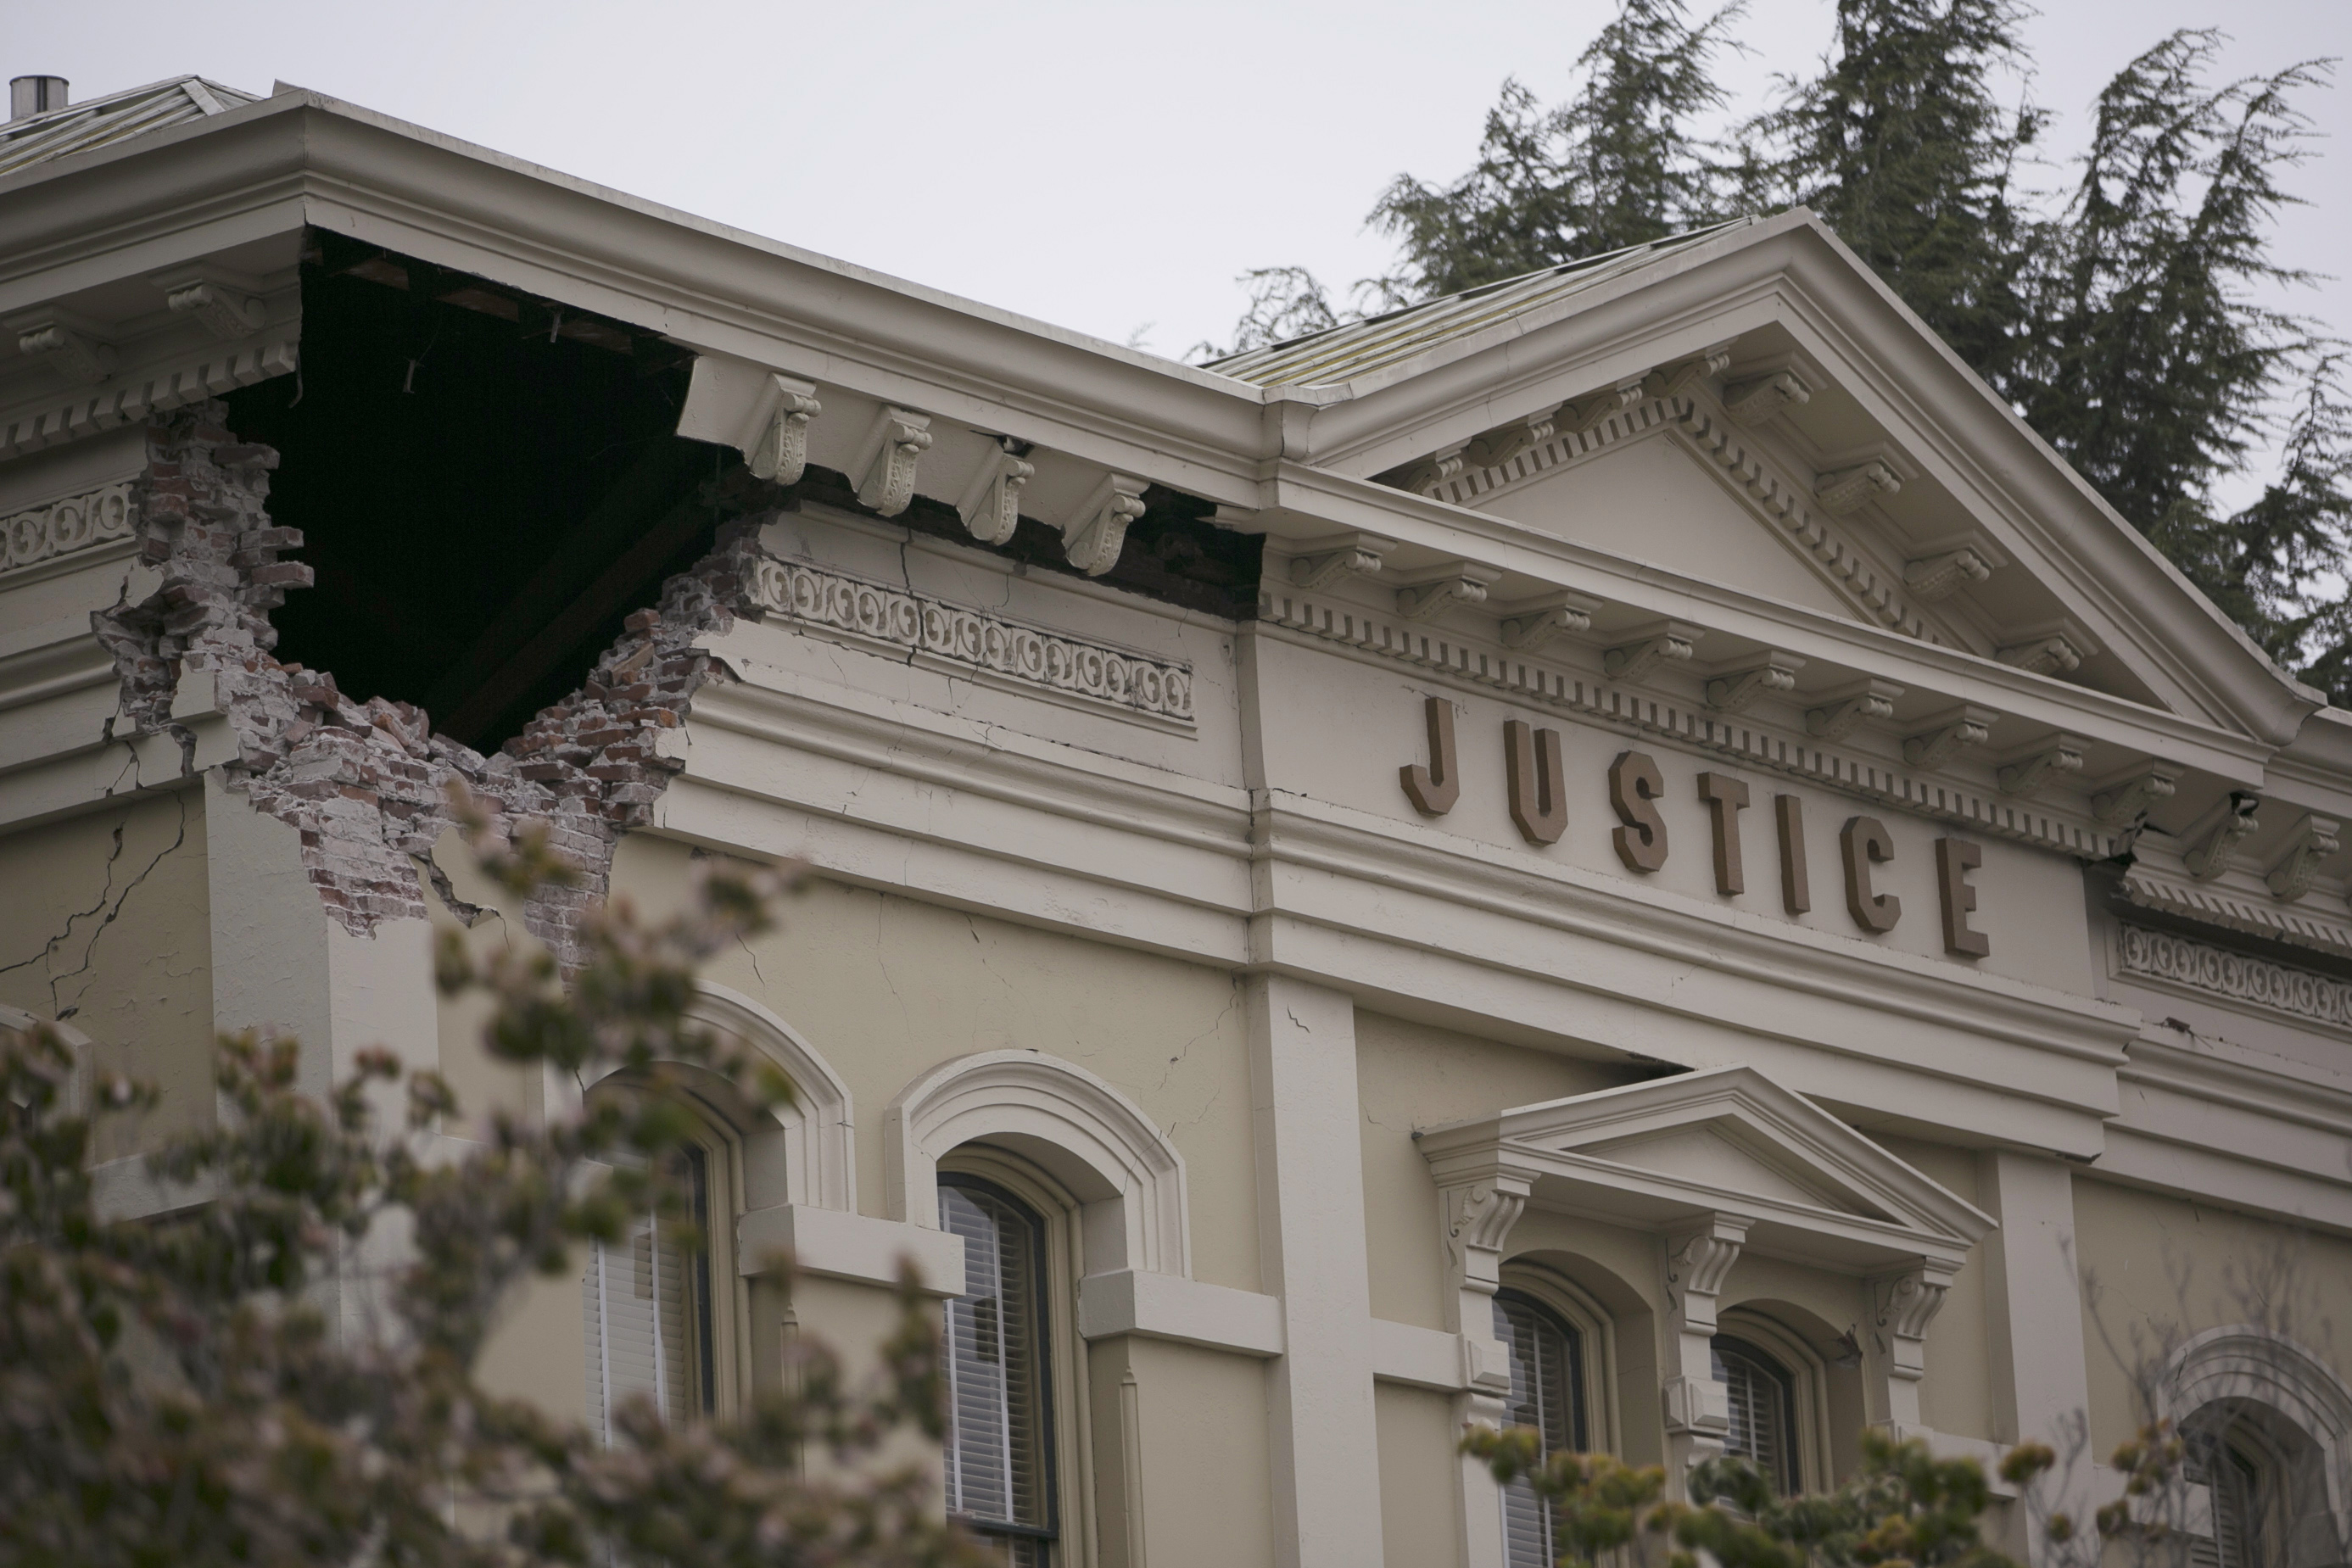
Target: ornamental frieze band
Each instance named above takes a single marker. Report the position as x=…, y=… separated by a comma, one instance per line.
x=2159, y=956
x=63, y=527
x=1119, y=677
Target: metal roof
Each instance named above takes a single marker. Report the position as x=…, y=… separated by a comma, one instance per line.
x=1343, y=353
x=117, y=117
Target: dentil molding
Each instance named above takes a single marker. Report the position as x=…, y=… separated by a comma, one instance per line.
x=1120, y=679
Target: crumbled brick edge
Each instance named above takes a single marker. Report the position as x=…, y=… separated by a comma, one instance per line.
x=366, y=784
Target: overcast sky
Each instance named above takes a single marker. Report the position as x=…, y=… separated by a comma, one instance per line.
x=1110, y=167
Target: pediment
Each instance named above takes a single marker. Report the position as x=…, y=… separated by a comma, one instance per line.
x=1727, y=1153
x=1876, y=474
x=1727, y=1142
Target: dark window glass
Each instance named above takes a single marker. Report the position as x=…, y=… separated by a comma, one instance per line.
x=999, y=1446
x=647, y=1303
x=1546, y=1394
x=1763, y=1411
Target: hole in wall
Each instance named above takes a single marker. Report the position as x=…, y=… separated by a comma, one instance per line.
x=487, y=483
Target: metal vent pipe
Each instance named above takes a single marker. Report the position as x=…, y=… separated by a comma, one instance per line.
x=34, y=95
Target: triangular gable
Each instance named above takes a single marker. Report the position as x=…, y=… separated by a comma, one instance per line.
x=1860, y=447
x=1725, y=1142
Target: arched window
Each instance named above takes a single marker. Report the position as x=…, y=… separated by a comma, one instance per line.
x=648, y=1304
x=2268, y=1426
x=1548, y=1394
x=1000, y=1448
x=1763, y=1411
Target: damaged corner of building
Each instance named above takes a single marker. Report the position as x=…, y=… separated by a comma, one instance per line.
x=460, y=546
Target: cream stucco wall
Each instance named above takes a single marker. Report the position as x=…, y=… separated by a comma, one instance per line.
x=1411, y=1076
x=2157, y=1270
x=886, y=988
x=105, y=924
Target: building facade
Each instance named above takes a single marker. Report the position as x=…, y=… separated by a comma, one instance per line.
x=1628, y=853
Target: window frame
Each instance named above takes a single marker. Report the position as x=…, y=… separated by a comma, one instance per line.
x=727, y=1298
x=1809, y=1408
x=1578, y=1308
x=1061, y=1352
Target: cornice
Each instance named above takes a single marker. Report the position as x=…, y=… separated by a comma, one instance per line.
x=2203, y=1073
x=1307, y=503
x=2237, y=898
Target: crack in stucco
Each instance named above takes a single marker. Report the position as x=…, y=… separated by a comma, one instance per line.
x=1233, y=1000
x=105, y=911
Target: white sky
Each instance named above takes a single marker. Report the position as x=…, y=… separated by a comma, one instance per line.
x=1110, y=167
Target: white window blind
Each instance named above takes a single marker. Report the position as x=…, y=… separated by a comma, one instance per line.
x=1762, y=1411
x=2235, y=1480
x=997, y=1453
x=1546, y=1386
x=644, y=1303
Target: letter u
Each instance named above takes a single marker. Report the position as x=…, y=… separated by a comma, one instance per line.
x=1538, y=803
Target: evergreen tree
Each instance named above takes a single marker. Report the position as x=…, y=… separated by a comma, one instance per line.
x=1620, y=164
x=1903, y=147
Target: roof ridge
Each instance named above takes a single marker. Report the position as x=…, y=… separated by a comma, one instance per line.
x=1377, y=338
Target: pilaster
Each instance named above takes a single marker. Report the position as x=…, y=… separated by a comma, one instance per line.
x=282, y=967
x=2040, y=1374
x=1310, y=1193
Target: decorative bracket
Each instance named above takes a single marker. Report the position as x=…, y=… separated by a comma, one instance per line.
x=1965, y=726
x=1845, y=710
x=1652, y=646
x=2054, y=654
x=1594, y=411
x=1457, y=582
x=1846, y=490
x=991, y=507
x=225, y=310
x=1499, y=445
x=2027, y=775
x=1529, y=623
x=2129, y=799
x=66, y=342
x=1673, y=379
x=1735, y=689
x=2311, y=842
x=2215, y=836
x=1754, y=401
x=1095, y=535
x=886, y=465
x=1321, y=562
x=1902, y=1306
x=1423, y=478
x=1936, y=577
x=1696, y=1406
x=778, y=449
